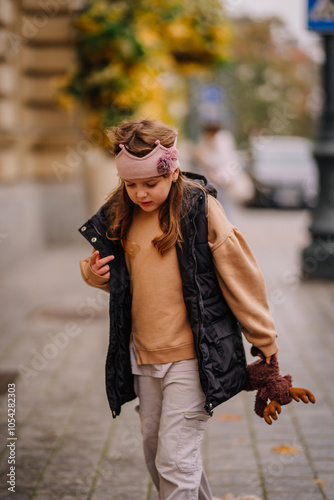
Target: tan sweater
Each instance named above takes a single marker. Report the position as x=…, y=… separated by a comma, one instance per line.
x=160, y=326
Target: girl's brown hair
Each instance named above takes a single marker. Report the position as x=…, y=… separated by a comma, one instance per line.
x=139, y=139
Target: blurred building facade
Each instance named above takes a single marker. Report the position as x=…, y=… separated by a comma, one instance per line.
x=41, y=176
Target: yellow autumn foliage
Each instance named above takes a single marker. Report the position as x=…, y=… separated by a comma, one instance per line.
x=135, y=56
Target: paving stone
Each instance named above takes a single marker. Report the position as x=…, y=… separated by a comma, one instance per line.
x=305, y=484
x=294, y=495
x=287, y=470
x=69, y=447
x=221, y=489
x=328, y=484
x=324, y=465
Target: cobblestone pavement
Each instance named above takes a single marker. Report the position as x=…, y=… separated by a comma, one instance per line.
x=54, y=334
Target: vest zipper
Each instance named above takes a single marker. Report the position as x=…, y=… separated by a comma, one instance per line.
x=118, y=398
x=209, y=406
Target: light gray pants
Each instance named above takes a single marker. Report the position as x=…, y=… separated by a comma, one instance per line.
x=173, y=421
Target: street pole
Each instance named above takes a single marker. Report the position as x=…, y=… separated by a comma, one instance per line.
x=318, y=257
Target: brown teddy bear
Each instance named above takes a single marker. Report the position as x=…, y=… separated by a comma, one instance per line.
x=270, y=385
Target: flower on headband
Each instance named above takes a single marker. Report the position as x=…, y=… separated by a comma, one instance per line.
x=166, y=161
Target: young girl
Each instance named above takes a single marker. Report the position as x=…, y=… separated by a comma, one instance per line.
x=183, y=284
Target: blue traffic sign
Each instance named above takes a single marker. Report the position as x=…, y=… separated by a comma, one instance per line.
x=321, y=15
x=212, y=103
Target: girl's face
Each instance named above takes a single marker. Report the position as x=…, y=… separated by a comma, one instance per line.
x=150, y=193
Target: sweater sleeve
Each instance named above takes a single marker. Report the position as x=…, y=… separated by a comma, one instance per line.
x=91, y=278
x=240, y=280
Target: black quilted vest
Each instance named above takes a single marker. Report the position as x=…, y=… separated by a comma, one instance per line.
x=217, y=336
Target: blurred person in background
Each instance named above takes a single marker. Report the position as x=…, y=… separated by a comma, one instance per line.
x=217, y=158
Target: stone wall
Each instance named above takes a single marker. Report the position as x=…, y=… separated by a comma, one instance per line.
x=36, y=133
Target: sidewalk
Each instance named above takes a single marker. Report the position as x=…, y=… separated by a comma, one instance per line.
x=54, y=332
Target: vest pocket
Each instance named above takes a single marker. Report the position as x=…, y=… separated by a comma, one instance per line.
x=228, y=344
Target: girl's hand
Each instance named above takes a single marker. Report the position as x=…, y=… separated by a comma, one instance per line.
x=100, y=266
x=274, y=356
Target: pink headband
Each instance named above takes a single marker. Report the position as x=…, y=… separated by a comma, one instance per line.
x=159, y=161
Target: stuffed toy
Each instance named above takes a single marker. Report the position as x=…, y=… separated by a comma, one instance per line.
x=270, y=385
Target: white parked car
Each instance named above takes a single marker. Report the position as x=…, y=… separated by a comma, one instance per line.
x=283, y=172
